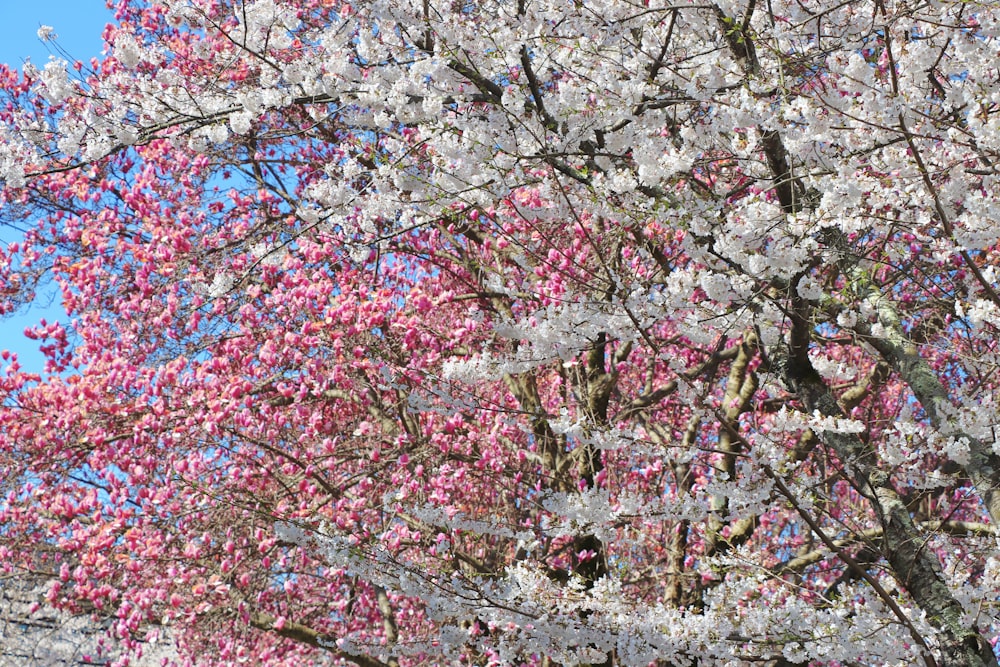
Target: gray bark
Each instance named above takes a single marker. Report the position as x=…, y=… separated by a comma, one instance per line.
x=895, y=347
x=915, y=566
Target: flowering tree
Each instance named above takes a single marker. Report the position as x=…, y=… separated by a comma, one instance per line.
x=34, y=633
x=412, y=332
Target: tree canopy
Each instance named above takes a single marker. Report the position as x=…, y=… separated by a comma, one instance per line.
x=508, y=332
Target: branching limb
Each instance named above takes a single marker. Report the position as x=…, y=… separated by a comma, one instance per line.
x=311, y=637
x=895, y=347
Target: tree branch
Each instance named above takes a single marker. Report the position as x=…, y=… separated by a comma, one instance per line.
x=983, y=467
x=311, y=637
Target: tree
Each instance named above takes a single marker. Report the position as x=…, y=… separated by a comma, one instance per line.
x=34, y=633
x=418, y=332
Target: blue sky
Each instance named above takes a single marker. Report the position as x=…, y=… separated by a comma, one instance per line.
x=78, y=24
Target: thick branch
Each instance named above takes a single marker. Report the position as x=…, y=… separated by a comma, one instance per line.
x=311, y=637
x=952, y=528
x=740, y=388
x=388, y=621
x=536, y=91
x=915, y=566
x=983, y=467
x=852, y=564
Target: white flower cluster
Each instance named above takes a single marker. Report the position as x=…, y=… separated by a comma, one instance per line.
x=581, y=432
x=56, y=83
x=791, y=421
x=222, y=284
